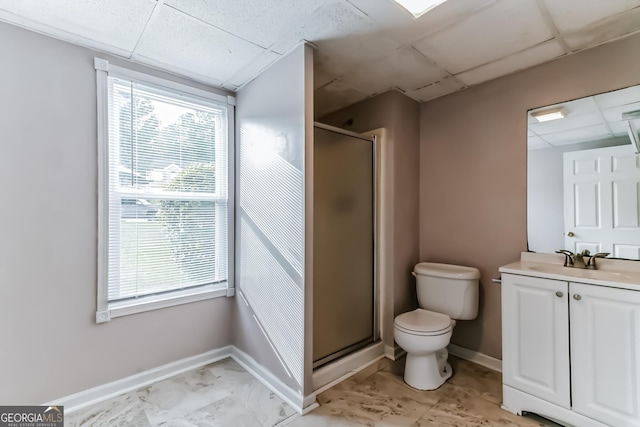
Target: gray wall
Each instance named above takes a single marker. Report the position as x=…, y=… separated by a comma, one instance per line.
x=473, y=168
x=50, y=344
x=269, y=315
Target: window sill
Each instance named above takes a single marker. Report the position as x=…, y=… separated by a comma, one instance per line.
x=155, y=302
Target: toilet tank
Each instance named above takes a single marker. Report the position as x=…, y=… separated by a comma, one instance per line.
x=448, y=289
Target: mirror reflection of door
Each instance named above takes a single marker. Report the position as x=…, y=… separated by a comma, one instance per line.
x=601, y=201
x=596, y=202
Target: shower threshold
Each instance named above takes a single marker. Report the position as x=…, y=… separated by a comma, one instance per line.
x=340, y=353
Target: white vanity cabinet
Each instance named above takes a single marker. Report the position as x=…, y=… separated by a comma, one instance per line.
x=605, y=353
x=571, y=351
x=535, y=337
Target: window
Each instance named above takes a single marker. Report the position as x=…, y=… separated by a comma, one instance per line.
x=164, y=204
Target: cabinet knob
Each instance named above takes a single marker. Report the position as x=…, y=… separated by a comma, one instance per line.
x=570, y=234
x=559, y=294
x=577, y=297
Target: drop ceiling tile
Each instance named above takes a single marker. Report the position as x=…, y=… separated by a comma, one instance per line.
x=253, y=69
x=435, y=90
x=404, y=27
x=614, y=114
x=605, y=30
x=537, y=143
x=519, y=61
x=342, y=33
x=259, y=21
x=616, y=98
x=622, y=128
x=320, y=77
x=575, y=136
x=117, y=23
x=334, y=96
x=405, y=68
x=180, y=41
x=572, y=16
x=499, y=30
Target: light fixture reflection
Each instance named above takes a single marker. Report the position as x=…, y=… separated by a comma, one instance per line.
x=549, y=114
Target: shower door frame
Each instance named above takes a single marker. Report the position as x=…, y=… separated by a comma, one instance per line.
x=376, y=249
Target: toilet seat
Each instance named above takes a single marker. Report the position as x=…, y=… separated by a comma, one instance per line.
x=424, y=322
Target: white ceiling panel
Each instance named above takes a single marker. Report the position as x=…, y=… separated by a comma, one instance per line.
x=117, y=23
x=590, y=133
x=621, y=128
x=405, y=68
x=501, y=29
x=320, y=78
x=204, y=50
x=401, y=24
x=251, y=70
x=614, y=114
x=447, y=85
x=362, y=47
x=537, y=143
x=343, y=34
x=536, y=55
x=603, y=31
x=630, y=95
x=573, y=16
x=333, y=96
x=261, y=22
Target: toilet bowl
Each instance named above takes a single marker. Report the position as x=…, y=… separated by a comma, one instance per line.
x=424, y=333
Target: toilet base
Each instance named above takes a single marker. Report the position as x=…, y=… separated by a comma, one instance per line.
x=429, y=371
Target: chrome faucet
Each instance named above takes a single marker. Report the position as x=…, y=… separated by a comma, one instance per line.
x=578, y=260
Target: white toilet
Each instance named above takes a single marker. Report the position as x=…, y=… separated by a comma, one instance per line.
x=445, y=292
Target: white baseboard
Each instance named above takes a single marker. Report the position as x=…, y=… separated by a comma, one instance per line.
x=476, y=357
x=394, y=352
x=283, y=391
x=106, y=391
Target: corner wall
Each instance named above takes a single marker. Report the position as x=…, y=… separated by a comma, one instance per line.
x=473, y=168
x=272, y=128
x=399, y=114
x=51, y=345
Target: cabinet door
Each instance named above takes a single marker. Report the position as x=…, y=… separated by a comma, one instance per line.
x=605, y=353
x=535, y=337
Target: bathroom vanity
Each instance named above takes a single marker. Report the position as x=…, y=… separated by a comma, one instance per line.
x=571, y=340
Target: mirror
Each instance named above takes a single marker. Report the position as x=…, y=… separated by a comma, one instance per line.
x=583, y=175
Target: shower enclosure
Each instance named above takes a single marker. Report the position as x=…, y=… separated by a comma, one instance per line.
x=344, y=271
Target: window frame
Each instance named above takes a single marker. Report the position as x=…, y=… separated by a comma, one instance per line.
x=107, y=310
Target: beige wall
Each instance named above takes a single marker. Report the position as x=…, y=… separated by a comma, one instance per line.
x=50, y=344
x=473, y=164
x=399, y=115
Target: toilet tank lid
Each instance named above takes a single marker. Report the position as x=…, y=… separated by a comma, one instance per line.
x=446, y=270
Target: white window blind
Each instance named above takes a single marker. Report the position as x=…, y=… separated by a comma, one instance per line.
x=167, y=197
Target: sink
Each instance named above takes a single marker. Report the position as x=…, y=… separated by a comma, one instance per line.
x=611, y=272
x=548, y=268
x=583, y=273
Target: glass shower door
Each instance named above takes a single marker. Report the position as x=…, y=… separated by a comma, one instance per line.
x=343, y=245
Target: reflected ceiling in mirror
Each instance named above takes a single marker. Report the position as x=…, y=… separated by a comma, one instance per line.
x=583, y=176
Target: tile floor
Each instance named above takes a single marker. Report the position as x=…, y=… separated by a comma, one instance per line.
x=224, y=394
